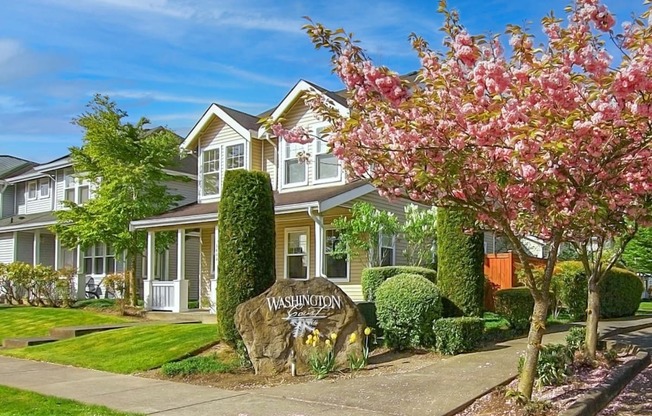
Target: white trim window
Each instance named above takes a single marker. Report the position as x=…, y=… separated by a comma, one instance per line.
x=327, y=167
x=75, y=189
x=295, y=170
x=297, y=255
x=44, y=188
x=32, y=190
x=99, y=260
x=210, y=172
x=333, y=268
x=234, y=156
x=386, y=250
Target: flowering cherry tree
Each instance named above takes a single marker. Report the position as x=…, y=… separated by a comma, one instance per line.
x=550, y=140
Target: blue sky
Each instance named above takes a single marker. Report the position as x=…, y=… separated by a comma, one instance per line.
x=169, y=59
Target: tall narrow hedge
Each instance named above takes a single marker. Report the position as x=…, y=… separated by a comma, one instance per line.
x=246, y=239
x=460, y=264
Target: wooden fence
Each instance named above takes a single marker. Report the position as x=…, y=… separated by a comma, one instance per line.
x=501, y=270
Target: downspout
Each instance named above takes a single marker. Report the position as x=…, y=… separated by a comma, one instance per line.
x=275, y=184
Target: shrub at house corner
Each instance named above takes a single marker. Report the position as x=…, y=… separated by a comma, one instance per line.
x=245, y=244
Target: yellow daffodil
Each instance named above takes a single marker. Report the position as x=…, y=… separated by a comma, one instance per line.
x=333, y=336
x=310, y=337
x=328, y=342
x=353, y=337
x=316, y=332
x=367, y=331
x=308, y=342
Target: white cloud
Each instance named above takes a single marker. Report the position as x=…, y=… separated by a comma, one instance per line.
x=12, y=105
x=172, y=98
x=17, y=62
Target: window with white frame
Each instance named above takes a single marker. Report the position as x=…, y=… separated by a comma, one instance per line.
x=327, y=167
x=295, y=171
x=332, y=267
x=234, y=156
x=297, y=258
x=211, y=172
x=99, y=260
x=44, y=188
x=32, y=190
x=75, y=189
x=386, y=249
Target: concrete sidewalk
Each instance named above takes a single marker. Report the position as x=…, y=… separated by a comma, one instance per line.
x=437, y=389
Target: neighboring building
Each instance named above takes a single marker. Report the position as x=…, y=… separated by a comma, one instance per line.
x=308, y=197
x=31, y=195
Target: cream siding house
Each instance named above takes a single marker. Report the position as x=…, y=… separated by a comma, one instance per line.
x=308, y=197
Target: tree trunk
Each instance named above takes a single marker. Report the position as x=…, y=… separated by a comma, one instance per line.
x=133, y=293
x=535, y=336
x=592, y=318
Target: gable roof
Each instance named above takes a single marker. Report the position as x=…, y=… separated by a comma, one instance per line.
x=296, y=92
x=244, y=124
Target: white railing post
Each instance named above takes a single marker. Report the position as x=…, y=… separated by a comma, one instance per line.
x=181, y=284
x=149, y=278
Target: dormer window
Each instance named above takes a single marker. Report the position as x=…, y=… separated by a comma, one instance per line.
x=295, y=171
x=326, y=165
x=235, y=156
x=210, y=172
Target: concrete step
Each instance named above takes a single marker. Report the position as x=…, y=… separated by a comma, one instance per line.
x=26, y=342
x=77, y=331
x=183, y=317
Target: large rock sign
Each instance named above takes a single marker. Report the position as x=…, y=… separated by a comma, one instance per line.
x=278, y=321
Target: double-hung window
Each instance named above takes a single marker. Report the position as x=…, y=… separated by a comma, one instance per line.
x=44, y=188
x=333, y=268
x=75, y=189
x=211, y=172
x=235, y=156
x=327, y=167
x=295, y=171
x=297, y=259
x=99, y=260
x=386, y=249
x=32, y=190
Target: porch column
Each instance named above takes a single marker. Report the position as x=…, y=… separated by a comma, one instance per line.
x=213, y=283
x=181, y=284
x=149, y=278
x=36, y=248
x=319, y=244
x=81, y=276
x=57, y=247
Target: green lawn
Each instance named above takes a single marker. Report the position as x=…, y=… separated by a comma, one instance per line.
x=645, y=308
x=14, y=402
x=125, y=350
x=20, y=322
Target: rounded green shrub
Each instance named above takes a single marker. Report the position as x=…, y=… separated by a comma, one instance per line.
x=620, y=293
x=458, y=335
x=373, y=277
x=569, y=284
x=246, y=238
x=460, y=263
x=515, y=305
x=406, y=306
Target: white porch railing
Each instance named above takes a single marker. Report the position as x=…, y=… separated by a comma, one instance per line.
x=166, y=295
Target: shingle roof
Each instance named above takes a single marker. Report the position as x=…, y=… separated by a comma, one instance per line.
x=280, y=199
x=11, y=165
x=247, y=121
x=27, y=220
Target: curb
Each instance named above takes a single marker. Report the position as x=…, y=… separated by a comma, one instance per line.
x=624, y=330
x=592, y=403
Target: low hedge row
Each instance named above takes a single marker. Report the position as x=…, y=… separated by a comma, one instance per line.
x=515, y=305
x=458, y=335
